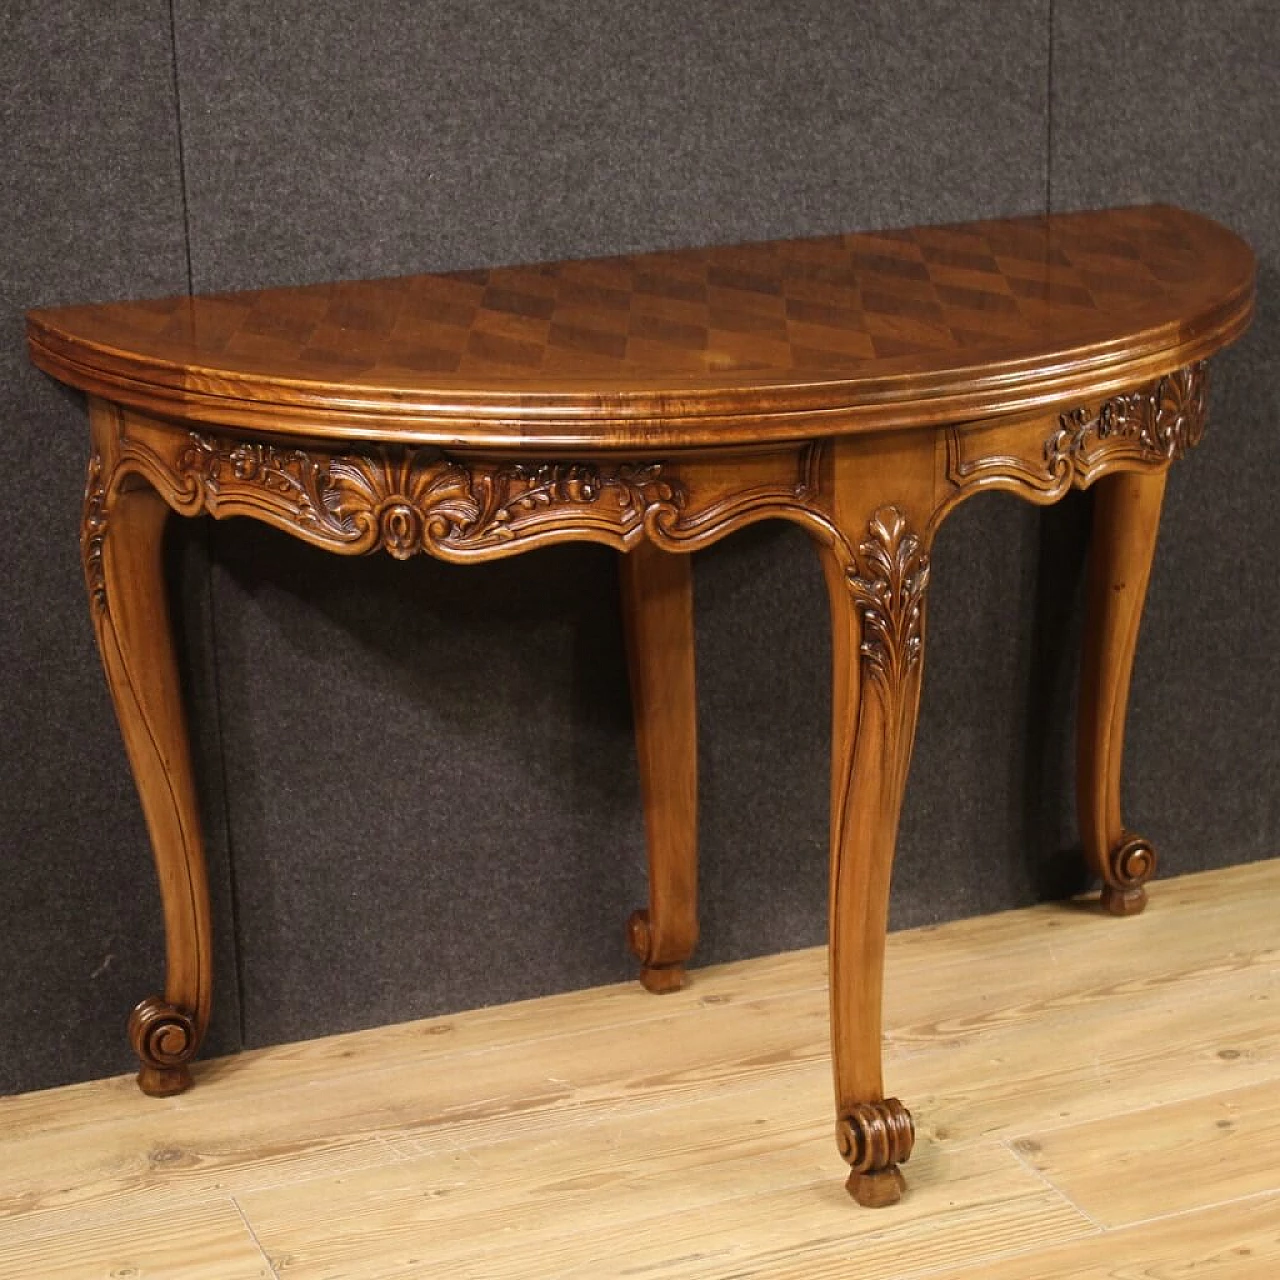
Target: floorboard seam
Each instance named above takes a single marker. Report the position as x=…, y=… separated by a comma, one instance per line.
x=1195, y=1095
x=1268, y=1192
x=253, y=1235
x=1010, y=1145
x=976, y=1266
x=973, y=1266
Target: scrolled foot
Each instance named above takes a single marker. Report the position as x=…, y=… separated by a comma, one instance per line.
x=874, y=1139
x=877, y=1190
x=164, y=1038
x=657, y=978
x=1130, y=865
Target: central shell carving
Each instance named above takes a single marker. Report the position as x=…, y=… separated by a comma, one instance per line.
x=412, y=500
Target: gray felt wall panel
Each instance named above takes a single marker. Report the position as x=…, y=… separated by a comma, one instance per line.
x=91, y=209
x=327, y=140
x=1193, y=120
x=432, y=785
x=430, y=777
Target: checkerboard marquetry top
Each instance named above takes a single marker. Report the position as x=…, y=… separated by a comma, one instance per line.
x=804, y=337
x=860, y=386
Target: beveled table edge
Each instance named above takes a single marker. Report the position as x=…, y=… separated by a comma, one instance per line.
x=679, y=413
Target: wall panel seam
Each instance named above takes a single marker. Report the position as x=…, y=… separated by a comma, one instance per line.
x=1048, y=116
x=215, y=669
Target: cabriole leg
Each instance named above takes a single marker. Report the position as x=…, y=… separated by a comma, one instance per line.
x=1126, y=518
x=877, y=617
x=121, y=540
x=657, y=605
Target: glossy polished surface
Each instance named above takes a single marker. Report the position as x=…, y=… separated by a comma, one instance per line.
x=769, y=341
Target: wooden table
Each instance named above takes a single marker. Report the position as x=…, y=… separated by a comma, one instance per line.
x=861, y=386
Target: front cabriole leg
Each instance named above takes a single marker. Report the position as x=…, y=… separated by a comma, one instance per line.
x=877, y=594
x=122, y=546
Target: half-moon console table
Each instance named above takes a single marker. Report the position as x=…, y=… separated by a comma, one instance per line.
x=861, y=386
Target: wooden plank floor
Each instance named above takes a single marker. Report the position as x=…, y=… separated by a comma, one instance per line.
x=1094, y=1098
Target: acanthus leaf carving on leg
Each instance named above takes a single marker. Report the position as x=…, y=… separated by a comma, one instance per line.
x=878, y=602
x=889, y=586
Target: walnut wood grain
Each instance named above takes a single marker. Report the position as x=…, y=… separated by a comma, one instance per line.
x=1126, y=520
x=860, y=386
x=780, y=340
x=657, y=610
x=121, y=541
x=877, y=575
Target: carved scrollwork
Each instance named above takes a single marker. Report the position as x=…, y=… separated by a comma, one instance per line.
x=874, y=1138
x=515, y=489
x=875, y=1135
x=93, y=529
x=1129, y=865
x=162, y=1036
x=1132, y=863
x=406, y=500
x=1163, y=420
x=1180, y=411
x=889, y=584
x=1146, y=428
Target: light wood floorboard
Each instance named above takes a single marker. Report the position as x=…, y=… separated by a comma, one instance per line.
x=1116, y=1169
x=1094, y=1097
x=1239, y=1240
x=210, y=1241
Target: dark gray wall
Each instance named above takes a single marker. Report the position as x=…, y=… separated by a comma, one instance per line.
x=1195, y=119
x=92, y=208
x=429, y=797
